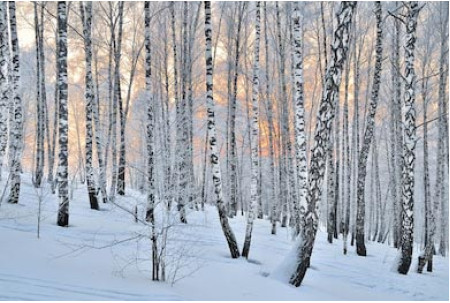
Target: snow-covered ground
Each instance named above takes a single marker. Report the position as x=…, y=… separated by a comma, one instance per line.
x=101, y=256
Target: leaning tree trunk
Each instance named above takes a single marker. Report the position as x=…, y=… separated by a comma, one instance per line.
x=149, y=216
x=89, y=97
x=254, y=137
x=63, y=188
x=17, y=125
x=215, y=160
x=368, y=135
x=305, y=242
x=300, y=136
x=409, y=137
x=4, y=83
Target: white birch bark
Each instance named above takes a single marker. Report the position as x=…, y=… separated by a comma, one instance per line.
x=300, y=136
x=393, y=177
x=274, y=217
x=284, y=155
x=399, y=131
x=63, y=188
x=17, y=125
x=233, y=146
x=443, y=122
x=214, y=155
x=430, y=225
x=122, y=111
x=368, y=136
x=40, y=114
x=89, y=98
x=254, y=144
x=149, y=215
x=325, y=117
x=409, y=137
x=4, y=83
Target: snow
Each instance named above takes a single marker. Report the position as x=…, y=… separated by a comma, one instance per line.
x=80, y=262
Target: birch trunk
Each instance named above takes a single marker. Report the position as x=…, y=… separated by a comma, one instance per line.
x=117, y=105
x=4, y=83
x=284, y=161
x=399, y=131
x=214, y=155
x=122, y=112
x=233, y=147
x=427, y=256
x=409, y=137
x=325, y=117
x=393, y=121
x=254, y=144
x=55, y=123
x=63, y=189
x=99, y=139
x=17, y=125
x=368, y=136
x=274, y=211
x=443, y=121
x=89, y=97
x=40, y=99
x=300, y=136
x=182, y=130
x=149, y=215
x=347, y=167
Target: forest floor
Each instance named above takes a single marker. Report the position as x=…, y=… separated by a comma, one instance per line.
x=105, y=255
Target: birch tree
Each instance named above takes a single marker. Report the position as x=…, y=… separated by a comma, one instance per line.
x=300, y=136
x=430, y=223
x=17, y=125
x=233, y=147
x=409, y=137
x=399, y=131
x=274, y=211
x=118, y=172
x=254, y=137
x=347, y=167
x=40, y=101
x=285, y=129
x=443, y=129
x=63, y=188
x=214, y=155
x=325, y=117
x=368, y=136
x=150, y=216
x=89, y=98
x=4, y=84
x=182, y=128
x=393, y=121
x=122, y=112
